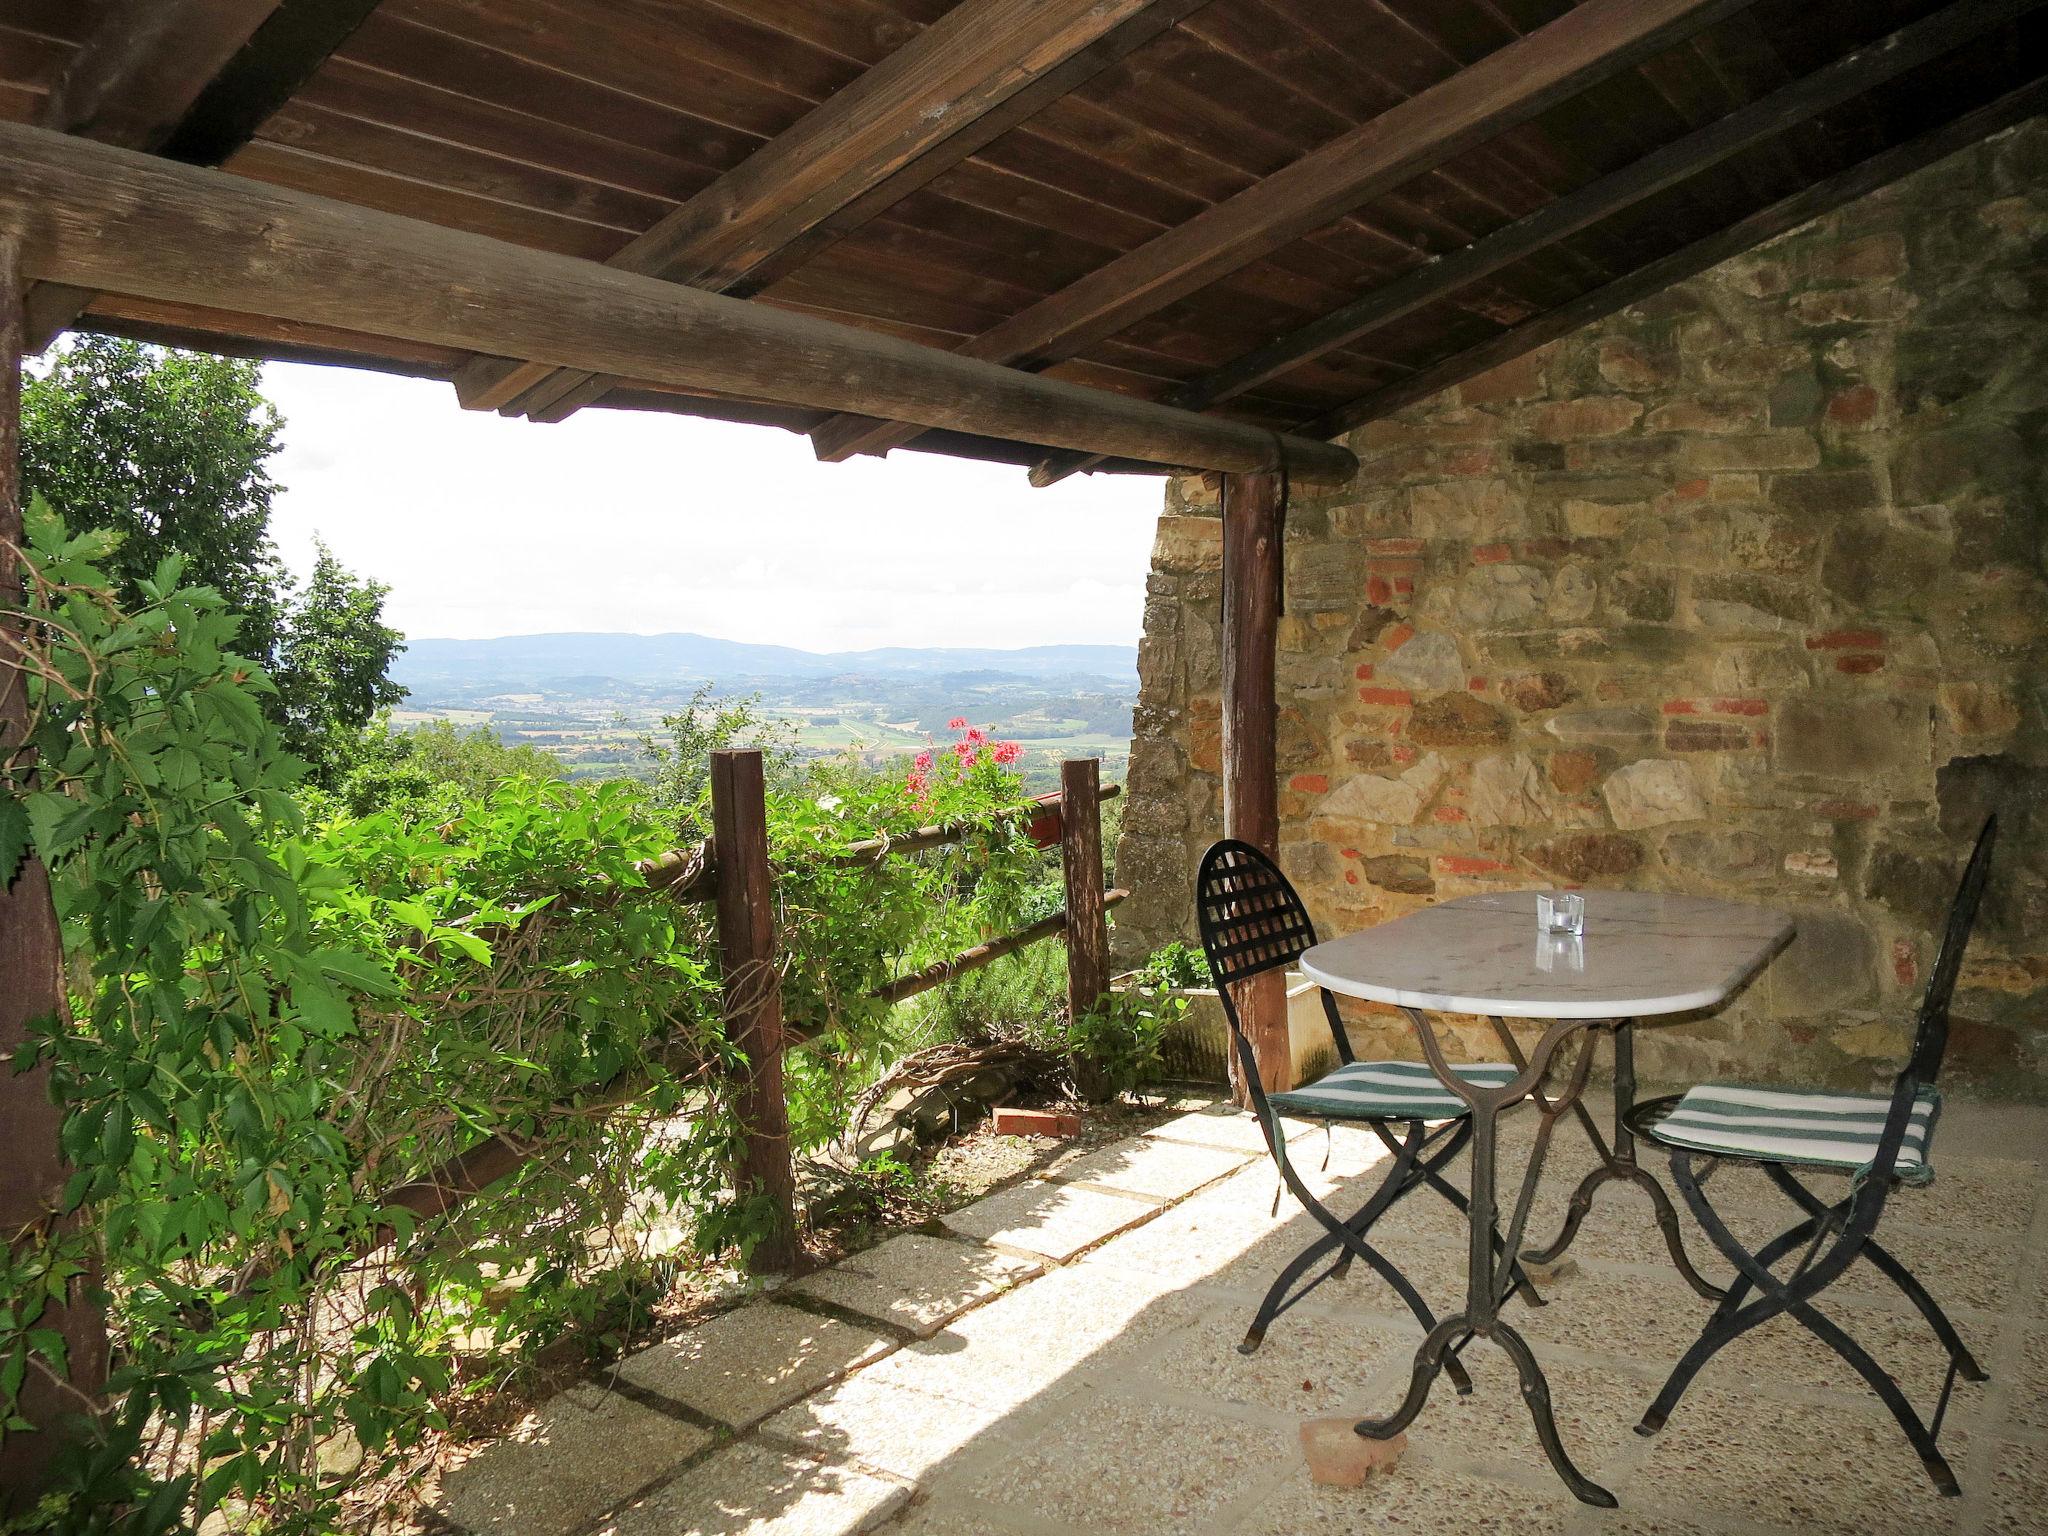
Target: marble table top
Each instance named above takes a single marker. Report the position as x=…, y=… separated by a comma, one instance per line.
x=1642, y=953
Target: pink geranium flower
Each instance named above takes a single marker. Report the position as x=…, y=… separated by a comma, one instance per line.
x=975, y=736
x=1007, y=752
x=958, y=722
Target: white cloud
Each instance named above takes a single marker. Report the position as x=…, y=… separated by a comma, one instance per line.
x=621, y=520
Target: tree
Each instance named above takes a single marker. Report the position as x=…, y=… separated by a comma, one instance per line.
x=385, y=767
x=334, y=651
x=172, y=450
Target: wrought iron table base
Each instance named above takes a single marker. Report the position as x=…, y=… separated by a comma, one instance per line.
x=1618, y=1165
x=1490, y=1280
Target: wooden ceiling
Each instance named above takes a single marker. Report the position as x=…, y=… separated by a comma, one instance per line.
x=1295, y=213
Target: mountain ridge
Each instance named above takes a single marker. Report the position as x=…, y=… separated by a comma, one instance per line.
x=588, y=654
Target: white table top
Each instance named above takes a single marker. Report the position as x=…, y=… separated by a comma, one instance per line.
x=1643, y=952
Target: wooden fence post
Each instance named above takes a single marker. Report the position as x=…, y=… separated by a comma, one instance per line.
x=32, y=1172
x=753, y=994
x=1252, y=581
x=1081, y=869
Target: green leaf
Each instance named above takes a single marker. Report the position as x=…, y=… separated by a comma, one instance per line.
x=357, y=971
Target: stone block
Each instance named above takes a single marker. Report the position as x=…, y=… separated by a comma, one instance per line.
x=1851, y=737
x=1574, y=771
x=1427, y=663
x=1750, y=604
x=1652, y=793
x=1400, y=873
x=1649, y=596
x=1507, y=792
x=1537, y=691
x=1338, y=1456
x=1369, y=797
x=1577, y=857
x=1493, y=596
x=1586, y=416
x=1730, y=854
x=1457, y=720
x=1459, y=509
x=1978, y=709
x=1620, y=725
x=1831, y=963
x=1573, y=592
x=1188, y=544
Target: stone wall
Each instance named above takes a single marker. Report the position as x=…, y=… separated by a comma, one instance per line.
x=1739, y=592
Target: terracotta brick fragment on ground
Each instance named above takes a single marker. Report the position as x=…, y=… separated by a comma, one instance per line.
x=1338, y=1456
x=1013, y=1121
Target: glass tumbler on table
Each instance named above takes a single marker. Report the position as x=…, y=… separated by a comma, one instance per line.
x=1560, y=912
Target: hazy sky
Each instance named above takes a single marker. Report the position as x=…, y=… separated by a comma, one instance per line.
x=621, y=520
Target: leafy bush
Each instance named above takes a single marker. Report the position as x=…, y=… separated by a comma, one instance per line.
x=282, y=1024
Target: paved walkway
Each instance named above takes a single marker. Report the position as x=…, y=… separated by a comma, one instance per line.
x=1062, y=1361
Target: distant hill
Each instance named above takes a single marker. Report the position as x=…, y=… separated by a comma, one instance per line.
x=520, y=663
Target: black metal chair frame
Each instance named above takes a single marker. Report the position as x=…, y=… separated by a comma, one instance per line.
x=1850, y=1221
x=1251, y=921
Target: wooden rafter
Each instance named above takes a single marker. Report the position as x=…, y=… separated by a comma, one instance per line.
x=1507, y=87
x=189, y=79
x=844, y=153
x=113, y=220
x=1787, y=214
x=1799, y=101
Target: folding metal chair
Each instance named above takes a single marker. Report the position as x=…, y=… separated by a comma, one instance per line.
x=1251, y=921
x=1883, y=1140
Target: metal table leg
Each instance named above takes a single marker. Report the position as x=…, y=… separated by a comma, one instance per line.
x=1618, y=1165
x=1490, y=1279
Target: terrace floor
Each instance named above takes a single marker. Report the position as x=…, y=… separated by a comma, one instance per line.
x=1062, y=1360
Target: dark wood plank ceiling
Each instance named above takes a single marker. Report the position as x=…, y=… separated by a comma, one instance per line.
x=577, y=125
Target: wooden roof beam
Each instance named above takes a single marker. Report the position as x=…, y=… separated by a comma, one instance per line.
x=930, y=92
x=190, y=79
x=1850, y=76
x=1509, y=86
x=109, y=219
x=1787, y=214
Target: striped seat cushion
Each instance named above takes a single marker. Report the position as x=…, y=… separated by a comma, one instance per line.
x=1786, y=1125
x=1388, y=1090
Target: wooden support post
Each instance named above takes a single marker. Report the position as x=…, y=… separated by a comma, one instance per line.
x=32, y=1172
x=1252, y=580
x=753, y=994
x=1081, y=869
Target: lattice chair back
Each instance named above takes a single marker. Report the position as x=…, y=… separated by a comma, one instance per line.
x=1250, y=918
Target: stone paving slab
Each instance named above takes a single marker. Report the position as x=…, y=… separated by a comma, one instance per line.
x=1106, y=1396
x=1054, y=1220
x=587, y=1449
x=916, y=1282
x=754, y=1489
x=743, y=1366
x=1232, y=1129
x=1161, y=1170
x=887, y=1428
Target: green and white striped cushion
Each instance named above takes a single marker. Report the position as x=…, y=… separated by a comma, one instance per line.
x=1784, y=1125
x=1388, y=1090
